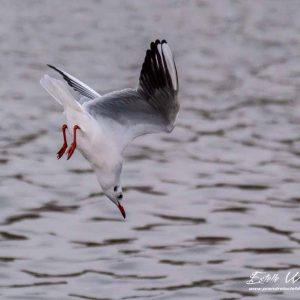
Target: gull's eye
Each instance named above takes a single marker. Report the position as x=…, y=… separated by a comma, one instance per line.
x=115, y=188
x=120, y=196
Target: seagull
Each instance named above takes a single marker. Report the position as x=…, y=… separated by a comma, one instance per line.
x=102, y=126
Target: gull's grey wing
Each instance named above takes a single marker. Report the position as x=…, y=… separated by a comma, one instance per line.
x=85, y=91
x=129, y=109
x=152, y=107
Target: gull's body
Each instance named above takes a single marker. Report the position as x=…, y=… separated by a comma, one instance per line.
x=105, y=125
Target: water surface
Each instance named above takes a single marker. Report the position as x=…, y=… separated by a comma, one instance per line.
x=206, y=206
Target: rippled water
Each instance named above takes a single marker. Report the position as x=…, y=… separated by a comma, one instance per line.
x=207, y=205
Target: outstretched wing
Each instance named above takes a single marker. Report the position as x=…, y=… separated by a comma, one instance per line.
x=85, y=91
x=158, y=82
x=152, y=107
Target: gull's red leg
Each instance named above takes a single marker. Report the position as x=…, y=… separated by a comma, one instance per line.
x=73, y=145
x=64, y=147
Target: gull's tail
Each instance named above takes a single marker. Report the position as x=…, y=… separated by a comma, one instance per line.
x=60, y=92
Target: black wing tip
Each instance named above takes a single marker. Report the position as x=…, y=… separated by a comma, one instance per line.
x=159, y=42
x=51, y=66
x=155, y=73
x=156, y=43
x=56, y=69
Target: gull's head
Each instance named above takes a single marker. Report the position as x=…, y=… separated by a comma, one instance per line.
x=111, y=185
x=115, y=194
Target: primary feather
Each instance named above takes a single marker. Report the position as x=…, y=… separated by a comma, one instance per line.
x=77, y=85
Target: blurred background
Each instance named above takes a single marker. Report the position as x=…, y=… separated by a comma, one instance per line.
x=206, y=205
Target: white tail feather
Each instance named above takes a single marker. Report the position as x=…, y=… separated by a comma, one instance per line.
x=60, y=92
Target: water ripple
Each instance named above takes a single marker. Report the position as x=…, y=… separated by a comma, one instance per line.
x=77, y=274
x=217, y=197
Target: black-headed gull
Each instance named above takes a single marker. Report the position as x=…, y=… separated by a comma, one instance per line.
x=102, y=126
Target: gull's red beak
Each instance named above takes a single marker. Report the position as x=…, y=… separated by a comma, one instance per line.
x=122, y=210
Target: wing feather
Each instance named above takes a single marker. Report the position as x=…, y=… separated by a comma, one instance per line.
x=152, y=107
x=80, y=87
x=159, y=81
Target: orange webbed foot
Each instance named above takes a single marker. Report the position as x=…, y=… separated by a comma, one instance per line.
x=73, y=145
x=64, y=147
x=62, y=151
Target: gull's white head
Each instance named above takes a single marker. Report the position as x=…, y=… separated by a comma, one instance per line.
x=111, y=186
x=115, y=194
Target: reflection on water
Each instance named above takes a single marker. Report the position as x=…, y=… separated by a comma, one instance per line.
x=207, y=205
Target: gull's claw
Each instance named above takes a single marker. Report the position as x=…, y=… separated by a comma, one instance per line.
x=64, y=147
x=71, y=150
x=73, y=145
x=62, y=151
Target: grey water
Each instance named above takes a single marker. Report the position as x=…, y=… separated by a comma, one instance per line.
x=207, y=205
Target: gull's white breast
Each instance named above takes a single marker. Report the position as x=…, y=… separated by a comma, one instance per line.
x=94, y=140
